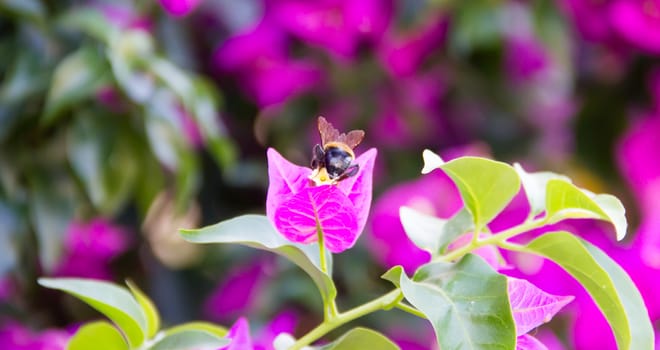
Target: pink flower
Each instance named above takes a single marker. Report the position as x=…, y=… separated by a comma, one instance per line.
x=284, y=322
x=339, y=26
x=590, y=18
x=531, y=308
x=180, y=8
x=297, y=208
x=638, y=22
x=239, y=291
x=239, y=334
x=403, y=54
x=15, y=336
x=524, y=58
x=89, y=247
x=259, y=59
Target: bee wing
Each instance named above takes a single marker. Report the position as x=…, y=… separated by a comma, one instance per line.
x=353, y=138
x=327, y=131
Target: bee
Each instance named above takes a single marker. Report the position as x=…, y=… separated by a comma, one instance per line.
x=332, y=159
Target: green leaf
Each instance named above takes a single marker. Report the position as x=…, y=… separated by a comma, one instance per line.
x=565, y=201
x=486, y=186
x=205, y=110
x=138, y=85
x=89, y=21
x=74, y=79
x=148, y=308
x=431, y=233
x=467, y=303
x=198, y=339
x=607, y=283
x=113, y=301
x=32, y=10
x=107, y=168
x=51, y=207
x=199, y=326
x=99, y=335
x=256, y=231
x=361, y=338
x=475, y=26
x=535, y=185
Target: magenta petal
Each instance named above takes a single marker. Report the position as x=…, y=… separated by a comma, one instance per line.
x=297, y=218
x=527, y=342
x=358, y=188
x=285, y=179
x=239, y=334
x=531, y=306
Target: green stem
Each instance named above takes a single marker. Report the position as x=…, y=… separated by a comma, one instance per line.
x=498, y=239
x=384, y=302
x=409, y=309
x=329, y=306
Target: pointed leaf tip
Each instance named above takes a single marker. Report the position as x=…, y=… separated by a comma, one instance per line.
x=432, y=161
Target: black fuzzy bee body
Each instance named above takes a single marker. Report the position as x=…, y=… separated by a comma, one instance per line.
x=333, y=160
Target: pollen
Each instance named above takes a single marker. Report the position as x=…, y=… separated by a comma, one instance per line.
x=320, y=177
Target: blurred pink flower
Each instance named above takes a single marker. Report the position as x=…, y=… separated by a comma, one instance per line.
x=402, y=54
x=238, y=293
x=89, y=247
x=590, y=18
x=190, y=129
x=14, y=336
x=125, y=16
x=410, y=111
x=527, y=342
x=239, y=333
x=7, y=287
x=637, y=149
x=259, y=59
x=297, y=208
x=524, y=58
x=339, y=26
x=284, y=322
x=413, y=335
x=638, y=22
x=180, y=8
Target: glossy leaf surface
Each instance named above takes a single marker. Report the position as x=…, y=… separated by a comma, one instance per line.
x=361, y=338
x=99, y=335
x=606, y=282
x=466, y=303
x=148, y=308
x=486, y=186
x=256, y=231
x=566, y=201
x=113, y=301
x=535, y=187
x=431, y=233
x=190, y=339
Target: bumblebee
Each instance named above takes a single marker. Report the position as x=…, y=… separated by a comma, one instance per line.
x=332, y=159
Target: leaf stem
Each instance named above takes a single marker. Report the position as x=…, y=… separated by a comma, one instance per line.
x=498, y=239
x=329, y=306
x=384, y=302
x=409, y=309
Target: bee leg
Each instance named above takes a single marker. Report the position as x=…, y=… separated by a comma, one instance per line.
x=350, y=171
x=318, y=156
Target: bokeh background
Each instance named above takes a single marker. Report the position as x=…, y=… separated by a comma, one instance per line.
x=122, y=121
